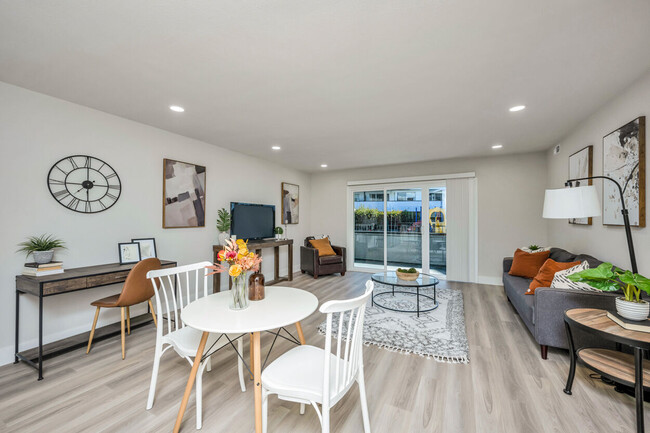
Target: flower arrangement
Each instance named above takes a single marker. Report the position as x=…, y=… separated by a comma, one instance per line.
x=236, y=259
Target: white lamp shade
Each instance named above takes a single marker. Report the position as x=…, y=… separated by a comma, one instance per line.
x=579, y=202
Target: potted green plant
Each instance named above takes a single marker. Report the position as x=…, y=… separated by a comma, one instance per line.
x=223, y=224
x=610, y=279
x=410, y=274
x=40, y=247
x=278, y=232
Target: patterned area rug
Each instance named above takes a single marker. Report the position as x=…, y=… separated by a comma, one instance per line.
x=438, y=334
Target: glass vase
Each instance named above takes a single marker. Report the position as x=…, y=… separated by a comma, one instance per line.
x=239, y=292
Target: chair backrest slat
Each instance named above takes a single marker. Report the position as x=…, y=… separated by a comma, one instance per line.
x=176, y=294
x=347, y=363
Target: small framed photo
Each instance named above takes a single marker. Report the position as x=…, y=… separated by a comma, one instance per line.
x=147, y=247
x=129, y=252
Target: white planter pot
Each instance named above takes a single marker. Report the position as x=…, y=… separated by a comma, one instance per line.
x=632, y=310
x=42, y=257
x=223, y=237
x=277, y=236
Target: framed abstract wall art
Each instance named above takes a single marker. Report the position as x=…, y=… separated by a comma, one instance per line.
x=581, y=165
x=183, y=194
x=624, y=161
x=290, y=202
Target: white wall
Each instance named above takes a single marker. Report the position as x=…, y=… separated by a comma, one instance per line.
x=510, y=200
x=37, y=130
x=605, y=242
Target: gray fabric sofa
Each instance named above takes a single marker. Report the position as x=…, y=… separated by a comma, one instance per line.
x=543, y=312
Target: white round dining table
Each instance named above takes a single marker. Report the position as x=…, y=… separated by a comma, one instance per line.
x=282, y=306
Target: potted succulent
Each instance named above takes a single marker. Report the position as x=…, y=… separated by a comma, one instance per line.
x=278, y=232
x=610, y=279
x=223, y=225
x=40, y=247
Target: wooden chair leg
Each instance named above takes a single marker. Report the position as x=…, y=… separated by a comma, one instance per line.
x=250, y=350
x=123, y=336
x=128, y=320
x=153, y=314
x=92, y=330
x=301, y=336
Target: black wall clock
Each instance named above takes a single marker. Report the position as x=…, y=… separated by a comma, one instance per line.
x=84, y=184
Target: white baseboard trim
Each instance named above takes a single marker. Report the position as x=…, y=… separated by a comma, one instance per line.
x=494, y=281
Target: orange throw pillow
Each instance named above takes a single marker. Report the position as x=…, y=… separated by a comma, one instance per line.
x=323, y=246
x=546, y=273
x=527, y=265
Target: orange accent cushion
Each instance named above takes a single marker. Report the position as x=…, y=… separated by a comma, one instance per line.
x=546, y=273
x=323, y=246
x=527, y=265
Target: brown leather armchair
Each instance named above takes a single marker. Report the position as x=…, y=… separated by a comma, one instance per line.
x=311, y=263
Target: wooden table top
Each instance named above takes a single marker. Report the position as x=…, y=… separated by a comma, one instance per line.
x=88, y=271
x=597, y=320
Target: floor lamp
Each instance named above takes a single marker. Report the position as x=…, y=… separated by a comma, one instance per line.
x=577, y=201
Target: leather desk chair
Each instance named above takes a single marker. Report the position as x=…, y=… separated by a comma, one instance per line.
x=137, y=289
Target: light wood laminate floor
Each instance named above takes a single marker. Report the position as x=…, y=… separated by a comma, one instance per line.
x=506, y=387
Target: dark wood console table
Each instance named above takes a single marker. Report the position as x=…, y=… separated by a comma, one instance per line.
x=619, y=367
x=71, y=280
x=257, y=246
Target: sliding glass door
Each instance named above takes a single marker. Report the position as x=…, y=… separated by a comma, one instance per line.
x=400, y=226
x=404, y=228
x=369, y=211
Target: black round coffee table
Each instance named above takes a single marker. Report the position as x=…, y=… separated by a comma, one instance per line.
x=424, y=281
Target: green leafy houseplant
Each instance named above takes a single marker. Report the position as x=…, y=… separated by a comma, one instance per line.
x=223, y=220
x=278, y=230
x=534, y=247
x=40, y=243
x=608, y=278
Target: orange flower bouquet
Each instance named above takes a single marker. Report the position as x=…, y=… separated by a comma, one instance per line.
x=237, y=261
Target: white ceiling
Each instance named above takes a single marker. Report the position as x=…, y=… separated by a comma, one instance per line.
x=346, y=82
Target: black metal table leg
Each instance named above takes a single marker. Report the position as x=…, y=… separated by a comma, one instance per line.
x=572, y=352
x=417, y=297
x=638, y=388
x=17, y=325
x=40, y=336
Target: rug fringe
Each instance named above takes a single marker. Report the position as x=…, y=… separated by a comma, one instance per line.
x=402, y=351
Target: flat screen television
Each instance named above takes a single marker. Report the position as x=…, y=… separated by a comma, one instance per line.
x=252, y=221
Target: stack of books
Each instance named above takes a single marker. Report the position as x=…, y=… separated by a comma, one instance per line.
x=39, y=270
x=630, y=325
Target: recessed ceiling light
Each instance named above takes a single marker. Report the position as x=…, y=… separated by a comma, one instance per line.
x=323, y=165
x=517, y=108
x=176, y=108
x=275, y=147
x=497, y=146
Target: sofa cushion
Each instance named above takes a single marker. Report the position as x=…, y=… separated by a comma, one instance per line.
x=561, y=280
x=527, y=264
x=545, y=275
x=560, y=255
x=516, y=291
x=593, y=262
x=330, y=260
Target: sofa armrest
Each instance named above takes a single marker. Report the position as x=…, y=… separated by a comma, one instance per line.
x=550, y=305
x=308, y=259
x=507, y=264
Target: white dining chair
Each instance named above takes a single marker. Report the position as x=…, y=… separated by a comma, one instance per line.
x=175, y=288
x=311, y=375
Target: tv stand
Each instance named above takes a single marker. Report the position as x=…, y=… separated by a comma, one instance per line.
x=257, y=246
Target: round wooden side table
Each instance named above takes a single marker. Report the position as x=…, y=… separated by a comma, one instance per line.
x=617, y=366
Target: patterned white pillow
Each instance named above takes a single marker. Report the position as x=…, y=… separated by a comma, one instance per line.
x=538, y=250
x=561, y=280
